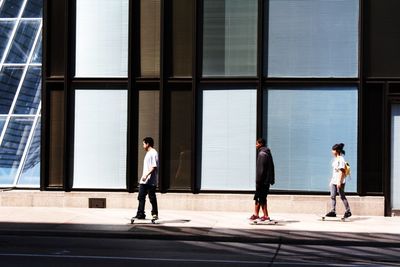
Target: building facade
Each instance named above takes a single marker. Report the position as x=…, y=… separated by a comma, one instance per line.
x=205, y=78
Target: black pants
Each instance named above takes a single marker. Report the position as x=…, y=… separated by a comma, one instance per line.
x=145, y=189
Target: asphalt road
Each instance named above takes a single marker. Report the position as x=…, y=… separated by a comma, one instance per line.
x=71, y=251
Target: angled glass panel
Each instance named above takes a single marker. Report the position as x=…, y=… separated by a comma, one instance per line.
x=5, y=32
x=12, y=148
x=29, y=95
x=301, y=124
x=228, y=159
x=37, y=55
x=30, y=174
x=312, y=38
x=23, y=42
x=11, y=8
x=33, y=9
x=9, y=80
x=100, y=139
x=230, y=38
x=102, y=38
x=2, y=121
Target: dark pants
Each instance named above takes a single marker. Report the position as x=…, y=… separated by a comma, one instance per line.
x=145, y=189
x=340, y=192
x=261, y=194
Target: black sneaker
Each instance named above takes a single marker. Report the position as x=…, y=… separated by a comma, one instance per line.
x=347, y=214
x=140, y=217
x=331, y=214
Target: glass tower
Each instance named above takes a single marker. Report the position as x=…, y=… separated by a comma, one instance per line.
x=20, y=92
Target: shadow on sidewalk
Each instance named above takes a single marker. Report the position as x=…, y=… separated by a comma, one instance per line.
x=163, y=232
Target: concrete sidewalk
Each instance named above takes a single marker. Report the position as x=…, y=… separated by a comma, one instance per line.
x=202, y=226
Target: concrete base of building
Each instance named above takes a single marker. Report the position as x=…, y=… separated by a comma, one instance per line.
x=312, y=204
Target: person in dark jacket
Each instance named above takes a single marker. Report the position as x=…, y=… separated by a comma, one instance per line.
x=265, y=177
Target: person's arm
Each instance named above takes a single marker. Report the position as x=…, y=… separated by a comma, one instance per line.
x=341, y=178
x=145, y=177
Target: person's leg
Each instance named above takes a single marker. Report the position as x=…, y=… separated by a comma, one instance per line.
x=333, y=197
x=265, y=210
x=142, y=200
x=153, y=200
x=256, y=208
x=343, y=198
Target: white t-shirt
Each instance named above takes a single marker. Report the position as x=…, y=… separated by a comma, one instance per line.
x=338, y=163
x=150, y=161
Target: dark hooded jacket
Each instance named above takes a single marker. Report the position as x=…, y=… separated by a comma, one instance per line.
x=265, y=170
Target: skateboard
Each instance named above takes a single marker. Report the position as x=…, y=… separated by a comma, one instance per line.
x=341, y=219
x=267, y=222
x=153, y=220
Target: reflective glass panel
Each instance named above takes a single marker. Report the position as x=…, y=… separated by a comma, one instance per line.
x=5, y=32
x=11, y=8
x=37, y=55
x=301, y=125
x=182, y=35
x=100, y=139
x=150, y=38
x=229, y=121
x=12, y=148
x=395, y=157
x=312, y=38
x=9, y=80
x=33, y=9
x=56, y=138
x=29, y=95
x=230, y=38
x=180, y=145
x=23, y=42
x=102, y=38
x=2, y=121
x=149, y=120
x=30, y=174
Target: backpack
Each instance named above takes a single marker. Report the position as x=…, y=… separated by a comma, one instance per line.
x=347, y=171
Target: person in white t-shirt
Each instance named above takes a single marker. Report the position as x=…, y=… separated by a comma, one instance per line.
x=338, y=180
x=148, y=181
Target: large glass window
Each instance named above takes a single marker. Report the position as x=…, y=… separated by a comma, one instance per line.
x=150, y=38
x=20, y=88
x=56, y=139
x=100, y=139
x=312, y=38
x=230, y=38
x=180, y=145
x=395, y=158
x=101, y=38
x=301, y=125
x=182, y=36
x=228, y=139
x=149, y=121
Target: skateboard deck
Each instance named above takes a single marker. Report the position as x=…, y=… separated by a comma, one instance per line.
x=337, y=219
x=144, y=221
x=268, y=222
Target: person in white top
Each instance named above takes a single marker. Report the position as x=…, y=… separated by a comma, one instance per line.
x=338, y=180
x=148, y=181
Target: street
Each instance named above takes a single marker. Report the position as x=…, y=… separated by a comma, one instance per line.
x=74, y=251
